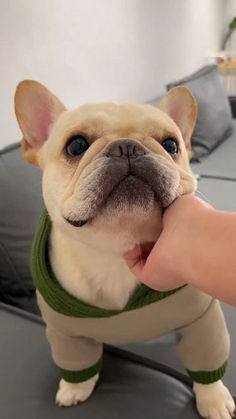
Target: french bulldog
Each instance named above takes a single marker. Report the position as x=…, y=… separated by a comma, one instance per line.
x=109, y=172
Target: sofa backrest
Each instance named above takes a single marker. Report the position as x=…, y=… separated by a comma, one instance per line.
x=20, y=207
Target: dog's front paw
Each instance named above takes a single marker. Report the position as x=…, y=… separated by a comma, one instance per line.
x=214, y=401
x=69, y=394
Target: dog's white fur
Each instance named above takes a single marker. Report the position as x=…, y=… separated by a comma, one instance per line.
x=106, y=281
x=71, y=394
x=108, y=276
x=214, y=401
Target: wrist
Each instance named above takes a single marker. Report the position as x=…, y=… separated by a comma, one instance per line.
x=196, y=243
x=187, y=233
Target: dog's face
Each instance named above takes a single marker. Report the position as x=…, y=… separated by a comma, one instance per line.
x=109, y=170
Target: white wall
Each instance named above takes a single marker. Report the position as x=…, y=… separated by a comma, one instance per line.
x=102, y=50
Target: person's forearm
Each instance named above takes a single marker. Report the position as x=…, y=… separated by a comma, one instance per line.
x=210, y=262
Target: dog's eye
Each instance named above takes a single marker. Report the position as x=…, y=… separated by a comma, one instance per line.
x=76, y=145
x=170, y=145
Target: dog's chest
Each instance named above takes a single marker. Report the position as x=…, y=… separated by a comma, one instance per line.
x=97, y=278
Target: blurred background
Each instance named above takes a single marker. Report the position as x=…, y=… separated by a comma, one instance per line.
x=105, y=50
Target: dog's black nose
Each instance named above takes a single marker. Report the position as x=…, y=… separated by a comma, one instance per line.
x=125, y=148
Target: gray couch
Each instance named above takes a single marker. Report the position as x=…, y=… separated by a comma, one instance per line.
x=148, y=380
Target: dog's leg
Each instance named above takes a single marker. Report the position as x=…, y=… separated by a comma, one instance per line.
x=214, y=400
x=69, y=394
x=204, y=349
x=79, y=360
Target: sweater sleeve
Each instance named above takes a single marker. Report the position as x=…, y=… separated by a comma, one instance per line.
x=78, y=358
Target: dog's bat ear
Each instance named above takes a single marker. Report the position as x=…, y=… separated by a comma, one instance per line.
x=180, y=105
x=36, y=110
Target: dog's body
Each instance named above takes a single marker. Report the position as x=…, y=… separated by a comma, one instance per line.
x=109, y=171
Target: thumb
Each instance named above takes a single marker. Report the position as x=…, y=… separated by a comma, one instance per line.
x=136, y=259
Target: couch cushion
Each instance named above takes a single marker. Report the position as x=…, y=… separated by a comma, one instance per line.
x=222, y=161
x=219, y=193
x=128, y=388
x=20, y=207
x=214, y=121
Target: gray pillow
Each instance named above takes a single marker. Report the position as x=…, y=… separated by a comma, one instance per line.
x=214, y=121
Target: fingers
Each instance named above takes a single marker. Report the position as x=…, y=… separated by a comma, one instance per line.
x=144, y=264
x=152, y=267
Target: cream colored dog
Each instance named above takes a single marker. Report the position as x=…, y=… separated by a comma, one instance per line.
x=109, y=171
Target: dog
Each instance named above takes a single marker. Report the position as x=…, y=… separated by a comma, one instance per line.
x=109, y=172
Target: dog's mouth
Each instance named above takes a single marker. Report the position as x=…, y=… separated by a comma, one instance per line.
x=120, y=187
x=129, y=191
x=76, y=223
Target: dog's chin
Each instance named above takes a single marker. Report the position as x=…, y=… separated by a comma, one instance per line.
x=130, y=195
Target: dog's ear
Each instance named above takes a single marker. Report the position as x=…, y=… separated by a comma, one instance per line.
x=180, y=105
x=36, y=110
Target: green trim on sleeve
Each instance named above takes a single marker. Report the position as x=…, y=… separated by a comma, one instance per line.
x=60, y=300
x=208, y=377
x=83, y=375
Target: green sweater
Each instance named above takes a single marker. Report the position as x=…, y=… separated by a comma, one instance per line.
x=76, y=330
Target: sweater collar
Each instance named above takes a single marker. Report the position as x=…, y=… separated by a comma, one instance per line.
x=63, y=302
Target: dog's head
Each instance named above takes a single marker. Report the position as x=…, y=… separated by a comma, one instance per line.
x=109, y=170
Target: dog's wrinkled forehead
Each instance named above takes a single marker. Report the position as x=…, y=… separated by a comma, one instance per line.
x=116, y=120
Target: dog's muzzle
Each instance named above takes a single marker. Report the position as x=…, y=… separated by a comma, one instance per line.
x=127, y=175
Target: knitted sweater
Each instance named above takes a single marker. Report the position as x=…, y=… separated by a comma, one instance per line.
x=76, y=330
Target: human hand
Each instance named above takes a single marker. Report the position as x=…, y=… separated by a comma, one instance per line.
x=166, y=264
